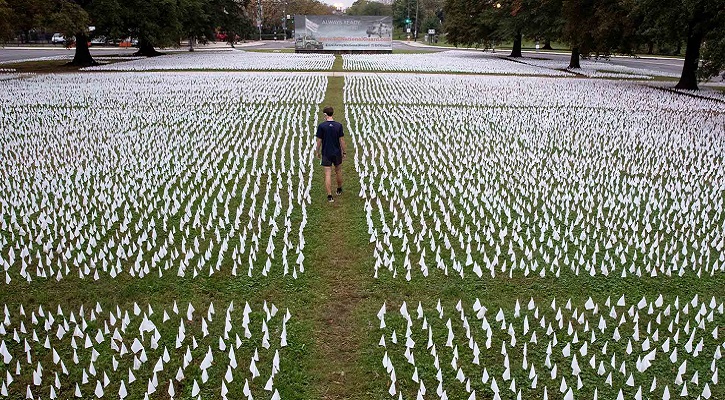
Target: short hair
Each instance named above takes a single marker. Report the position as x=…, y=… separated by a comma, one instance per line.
x=328, y=111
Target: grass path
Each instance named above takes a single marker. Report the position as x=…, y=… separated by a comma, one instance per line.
x=338, y=259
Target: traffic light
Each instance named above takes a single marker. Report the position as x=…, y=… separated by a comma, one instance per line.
x=407, y=20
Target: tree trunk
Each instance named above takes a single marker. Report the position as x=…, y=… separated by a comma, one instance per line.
x=146, y=49
x=574, y=61
x=191, y=43
x=650, y=48
x=547, y=45
x=688, y=79
x=516, y=51
x=679, y=48
x=82, y=57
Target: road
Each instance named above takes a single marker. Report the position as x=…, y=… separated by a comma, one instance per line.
x=9, y=54
x=667, y=65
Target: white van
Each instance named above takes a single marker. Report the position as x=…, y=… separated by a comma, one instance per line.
x=57, y=39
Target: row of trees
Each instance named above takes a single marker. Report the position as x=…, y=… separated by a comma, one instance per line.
x=155, y=23
x=592, y=28
x=600, y=28
x=275, y=12
x=422, y=14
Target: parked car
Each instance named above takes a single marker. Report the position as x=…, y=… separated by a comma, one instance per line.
x=99, y=40
x=57, y=39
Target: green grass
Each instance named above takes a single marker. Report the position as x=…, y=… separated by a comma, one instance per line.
x=48, y=66
x=336, y=67
x=338, y=251
x=334, y=333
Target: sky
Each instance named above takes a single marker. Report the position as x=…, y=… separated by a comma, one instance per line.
x=344, y=3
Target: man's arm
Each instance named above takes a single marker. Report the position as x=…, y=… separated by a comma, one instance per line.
x=342, y=141
x=342, y=146
x=318, y=135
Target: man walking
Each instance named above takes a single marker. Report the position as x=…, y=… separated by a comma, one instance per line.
x=331, y=150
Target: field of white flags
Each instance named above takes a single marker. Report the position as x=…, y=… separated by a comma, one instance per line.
x=144, y=351
x=165, y=232
x=447, y=61
x=598, y=69
x=182, y=175
x=229, y=60
x=613, y=348
x=503, y=176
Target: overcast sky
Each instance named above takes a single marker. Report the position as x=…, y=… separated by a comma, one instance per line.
x=345, y=3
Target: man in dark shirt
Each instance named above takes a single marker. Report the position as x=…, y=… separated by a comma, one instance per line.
x=331, y=150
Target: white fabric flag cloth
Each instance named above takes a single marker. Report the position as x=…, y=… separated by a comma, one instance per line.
x=311, y=26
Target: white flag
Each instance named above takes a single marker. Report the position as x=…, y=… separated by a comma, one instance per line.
x=311, y=26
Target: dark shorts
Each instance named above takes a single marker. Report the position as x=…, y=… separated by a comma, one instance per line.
x=328, y=161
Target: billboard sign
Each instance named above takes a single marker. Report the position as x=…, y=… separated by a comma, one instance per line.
x=336, y=32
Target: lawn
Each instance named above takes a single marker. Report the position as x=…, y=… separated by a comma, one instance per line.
x=546, y=233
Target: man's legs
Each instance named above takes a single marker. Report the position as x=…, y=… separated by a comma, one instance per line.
x=328, y=180
x=338, y=175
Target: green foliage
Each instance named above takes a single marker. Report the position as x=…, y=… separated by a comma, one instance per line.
x=155, y=22
x=232, y=18
x=69, y=18
x=429, y=15
x=713, y=58
x=6, y=21
x=274, y=12
x=307, y=7
x=502, y=20
x=369, y=7
x=657, y=24
x=467, y=24
x=107, y=16
x=698, y=23
x=196, y=19
x=28, y=14
x=598, y=27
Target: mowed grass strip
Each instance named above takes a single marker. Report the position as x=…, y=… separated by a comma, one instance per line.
x=339, y=260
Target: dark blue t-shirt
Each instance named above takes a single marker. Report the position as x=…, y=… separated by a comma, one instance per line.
x=330, y=132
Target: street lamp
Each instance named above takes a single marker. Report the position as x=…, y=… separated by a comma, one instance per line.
x=417, y=6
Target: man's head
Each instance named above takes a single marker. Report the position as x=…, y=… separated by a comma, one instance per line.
x=328, y=111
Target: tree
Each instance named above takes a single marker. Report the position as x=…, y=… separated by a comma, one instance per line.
x=28, y=15
x=513, y=19
x=496, y=20
x=466, y=23
x=309, y=7
x=70, y=19
x=233, y=20
x=597, y=28
x=275, y=11
x=196, y=20
x=369, y=7
x=713, y=58
x=695, y=22
x=657, y=24
x=156, y=23
x=7, y=26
